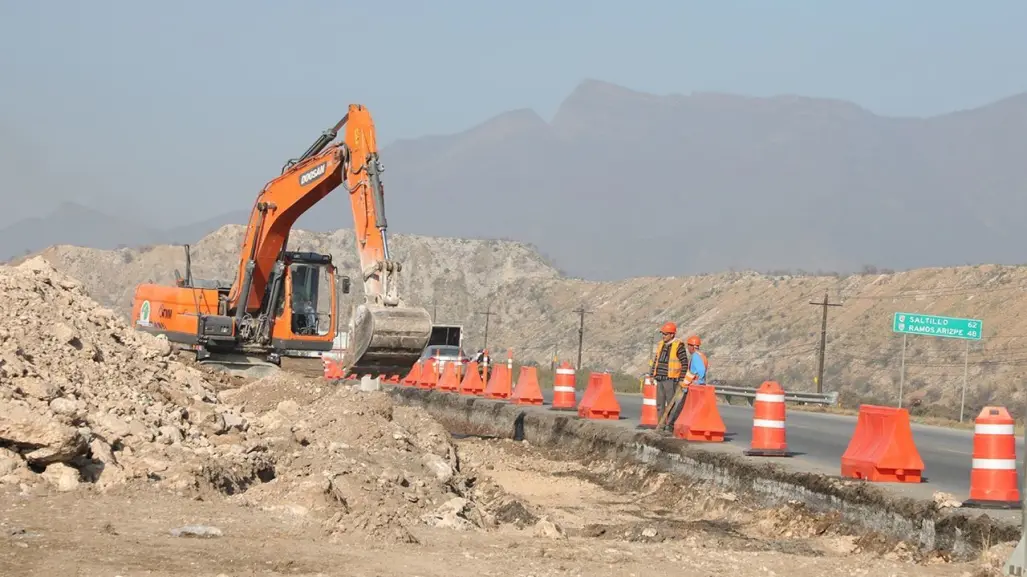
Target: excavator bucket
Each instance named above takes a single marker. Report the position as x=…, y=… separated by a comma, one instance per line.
x=386, y=340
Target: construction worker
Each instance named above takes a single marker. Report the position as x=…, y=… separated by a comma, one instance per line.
x=695, y=375
x=484, y=364
x=665, y=366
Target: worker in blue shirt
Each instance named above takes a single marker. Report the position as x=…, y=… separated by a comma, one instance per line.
x=696, y=374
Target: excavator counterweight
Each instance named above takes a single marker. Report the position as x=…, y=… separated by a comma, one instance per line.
x=284, y=303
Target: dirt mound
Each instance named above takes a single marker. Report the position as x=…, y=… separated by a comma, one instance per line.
x=91, y=404
x=355, y=460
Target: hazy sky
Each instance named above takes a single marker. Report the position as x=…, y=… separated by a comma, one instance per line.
x=182, y=110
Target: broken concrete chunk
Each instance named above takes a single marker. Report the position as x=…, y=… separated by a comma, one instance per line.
x=102, y=452
x=437, y=465
x=170, y=434
x=37, y=388
x=234, y=421
x=61, y=477
x=451, y=515
x=548, y=529
x=66, y=407
x=9, y=462
x=65, y=334
x=200, y=531
x=112, y=426
x=39, y=437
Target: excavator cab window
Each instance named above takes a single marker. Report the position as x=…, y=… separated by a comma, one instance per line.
x=311, y=299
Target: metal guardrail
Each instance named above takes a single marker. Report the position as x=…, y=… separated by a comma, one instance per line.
x=790, y=396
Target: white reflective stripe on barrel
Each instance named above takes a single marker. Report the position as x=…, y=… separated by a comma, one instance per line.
x=770, y=398
x=649, y=402
x=995, y=464
x=563, y=389
x=985, y=429
x=565, y=371
x=768, y=424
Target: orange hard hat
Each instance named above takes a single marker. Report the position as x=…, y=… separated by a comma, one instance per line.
x=693, y=340
x=669, y=327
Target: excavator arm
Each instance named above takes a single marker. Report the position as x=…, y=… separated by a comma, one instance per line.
x=386, y=336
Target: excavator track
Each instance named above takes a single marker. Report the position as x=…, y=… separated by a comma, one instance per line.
x=241, y=364
x=386, y=340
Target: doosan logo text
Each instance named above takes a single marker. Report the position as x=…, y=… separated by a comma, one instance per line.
x=314, y=173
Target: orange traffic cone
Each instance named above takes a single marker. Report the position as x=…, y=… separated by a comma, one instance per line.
x=993, y=481
x=413, y=376
x=563, y=388
x=650, y=417
x=768, y=423
x=499, y=385
x=449, y=382
x=527, y=391
x=429, y=375
x=603, y=404
x=472, y=384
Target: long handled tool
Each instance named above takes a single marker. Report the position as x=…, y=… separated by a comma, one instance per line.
x=674, y=401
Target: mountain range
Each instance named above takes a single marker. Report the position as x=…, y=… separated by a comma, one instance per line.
x=626, y=184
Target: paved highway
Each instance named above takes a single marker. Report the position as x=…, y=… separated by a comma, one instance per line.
x=819, y=439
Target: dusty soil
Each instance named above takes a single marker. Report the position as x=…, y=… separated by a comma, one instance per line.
x=552, y=518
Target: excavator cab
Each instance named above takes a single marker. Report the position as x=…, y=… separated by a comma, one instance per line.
x=297, y=317
x=309, y=299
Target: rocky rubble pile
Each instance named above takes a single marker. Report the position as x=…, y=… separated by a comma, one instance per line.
x=88, y=403
x=85, y=398
x=356, y=462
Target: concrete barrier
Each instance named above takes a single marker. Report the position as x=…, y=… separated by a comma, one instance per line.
x=921, y=524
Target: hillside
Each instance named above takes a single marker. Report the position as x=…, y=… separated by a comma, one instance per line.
x=754, y=326
x=783, y=182
x=457, y=273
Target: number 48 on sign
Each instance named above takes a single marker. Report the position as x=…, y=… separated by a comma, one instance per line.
x=935, y=326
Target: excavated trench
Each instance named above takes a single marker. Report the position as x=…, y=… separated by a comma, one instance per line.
x=877, y=521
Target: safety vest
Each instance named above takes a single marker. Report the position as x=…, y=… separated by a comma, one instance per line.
x=689, y=377
x=673, y=362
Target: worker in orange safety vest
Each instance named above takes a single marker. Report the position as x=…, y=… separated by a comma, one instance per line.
x=666, y=365
x=698, y=365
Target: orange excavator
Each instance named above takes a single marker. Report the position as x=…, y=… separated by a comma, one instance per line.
x=285, y=303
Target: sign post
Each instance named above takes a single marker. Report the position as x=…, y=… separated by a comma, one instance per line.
x=935, y=326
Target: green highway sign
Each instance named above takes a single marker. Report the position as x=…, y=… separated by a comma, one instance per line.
x=934, y=326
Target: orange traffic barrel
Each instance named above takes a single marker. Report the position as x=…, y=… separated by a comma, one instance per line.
x=649, y=417
x=768, y=423
x=993, y=477
x=563, y=388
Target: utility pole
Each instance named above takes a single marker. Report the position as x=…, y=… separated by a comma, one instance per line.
x=581, y=331
x=488, y=313
x=433, y=310
x=823, y=340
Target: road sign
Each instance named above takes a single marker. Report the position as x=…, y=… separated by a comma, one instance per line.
x=935, y=326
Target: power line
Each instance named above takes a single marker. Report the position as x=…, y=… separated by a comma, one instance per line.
x=581, y=331
x=823, y=340
x=488, y=313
